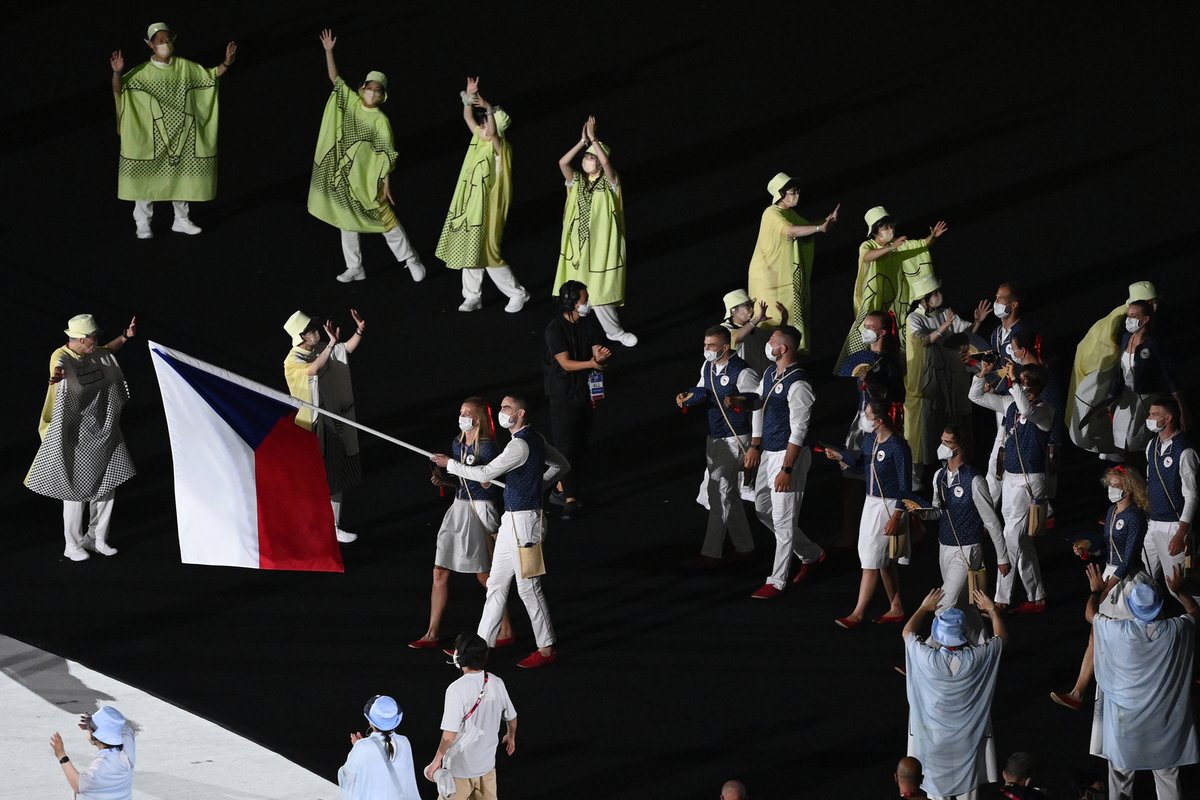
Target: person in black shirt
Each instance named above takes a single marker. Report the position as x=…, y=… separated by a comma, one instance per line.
x=573, y=352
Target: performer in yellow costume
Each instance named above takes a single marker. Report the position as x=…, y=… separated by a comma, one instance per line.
x=592, y=249
x=167, y=121
x=886, y=267
x=474, y=226
x=781, y=266
x=350, y=187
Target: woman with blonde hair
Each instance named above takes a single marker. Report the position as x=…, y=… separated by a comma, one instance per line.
x=1124, y=529
x=464, y=542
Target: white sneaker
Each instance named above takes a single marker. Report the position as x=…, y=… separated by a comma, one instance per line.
x=624, y=337
x=515, y=304
x=417, y=269
x=102, y=548
x=181, y=225
x=471, y=305
x=354, y=274
x=345, y=537
x=144, y=232
x=76, y=554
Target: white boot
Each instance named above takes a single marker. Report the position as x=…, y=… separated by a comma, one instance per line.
x=352, y=274
x=98, y=545
x=345, y=537
x=417, y=269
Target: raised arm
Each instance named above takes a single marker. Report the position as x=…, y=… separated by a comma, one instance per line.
x=230, y=55
x=609, y=172
x=468, y=100
x=800, y=231
x=564, y=163
x=127, y=334
x=879, y=252
x=117, y=62
x=360, y=327
x=328, y=40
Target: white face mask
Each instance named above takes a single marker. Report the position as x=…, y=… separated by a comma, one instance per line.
x=886, y=235
x=465, y=423
x=1155, y=427
x=1115, y=494
x=944, y=453
x=866, y=425
x=1133, y=325
x=935, y=301
x=1000, y=310
x=771, y=353
x=711, y=355
x=869, y=336
x=164, y=50
x=584, y=309
x=371, y=97
x=505, y=420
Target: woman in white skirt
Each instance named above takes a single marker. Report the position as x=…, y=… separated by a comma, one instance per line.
x=464, y=542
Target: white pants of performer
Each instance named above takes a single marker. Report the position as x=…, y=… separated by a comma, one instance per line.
x=143, y=211
x=873, y=546
x=779, y=512
x=607, y=317
x=725, y=510
x=1014, y=509
x=503, y=277
x=396, y=240
x=994, y=483
x=1166, y=783
x=1156, y=546
x=98, y=519
x=506, y=565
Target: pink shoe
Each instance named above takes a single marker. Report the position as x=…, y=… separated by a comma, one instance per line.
x=423, y=644
x=802, y=573
x=536, y=659
x=847, y=623
x=505, y=642
x=766, y=592
x=1064, y=699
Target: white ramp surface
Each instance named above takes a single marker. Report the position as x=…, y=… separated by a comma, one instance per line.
x=179, y=756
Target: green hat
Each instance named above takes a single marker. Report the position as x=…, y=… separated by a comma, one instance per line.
x=156, y=27
x=378, y=77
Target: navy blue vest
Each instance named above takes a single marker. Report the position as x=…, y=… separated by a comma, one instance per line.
x=777, y=422
x=1029, y=439
x=523, y=485
x=892, y=464
x=958, y=505
x=718, y=389
x=1123, y=537
x=475, y=456
x=1166, y=504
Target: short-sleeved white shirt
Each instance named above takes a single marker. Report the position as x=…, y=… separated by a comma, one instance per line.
x=496, y=706
x=108, y=777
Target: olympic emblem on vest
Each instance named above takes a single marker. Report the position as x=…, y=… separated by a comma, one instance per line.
x=1168, y=461
x=1120, y=524
x=958, y=491
x=1021, y=419
x=779, y=389
x=1144, y=353
x=470, y=459
x=724, y=380
x=880, y=456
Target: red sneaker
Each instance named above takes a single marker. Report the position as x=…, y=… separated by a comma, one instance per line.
x=423, y=644
x=1029, y=608
x=1064, y=699
x=536, y=659
x=802, y=573
x=504, y=642
x=847, y=623
x=887, y=619
x=766, y=592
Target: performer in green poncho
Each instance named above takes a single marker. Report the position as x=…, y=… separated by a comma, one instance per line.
x=593, y=237
x=355, y=156
x=475, y=223
x=167, y=121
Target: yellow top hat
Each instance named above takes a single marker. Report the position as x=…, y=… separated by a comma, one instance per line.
x=297, y=324
x=378, y=77
x=780, y=184
x=81, y=326
x=737, y=297
x=874, y=215
x=592, y=149
x=1142, y=290
x=156, y=27
x=922, y=285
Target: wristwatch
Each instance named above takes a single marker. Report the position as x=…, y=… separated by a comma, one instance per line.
x=787, y=470
x=64, y=759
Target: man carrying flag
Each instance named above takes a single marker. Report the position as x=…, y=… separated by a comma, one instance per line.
x=83, y=458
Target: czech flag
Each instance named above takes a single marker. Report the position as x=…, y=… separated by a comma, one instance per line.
x=250, y=486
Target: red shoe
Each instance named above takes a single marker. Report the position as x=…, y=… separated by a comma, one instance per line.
x=802, y=573
x=423, y=644
x=1064, y=699
x=536, y=659
x=1029, y=608
x=887, y=619
x=847, y=623
x=766, y=592
x=504, y=642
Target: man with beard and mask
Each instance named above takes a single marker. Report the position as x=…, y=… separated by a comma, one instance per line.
x=1025, y=424
x=572, y=364
x=1007, y=309
x=1171, y=466
x=730, y=428
x=167, y=111
x=351, y=176
x=529, y=465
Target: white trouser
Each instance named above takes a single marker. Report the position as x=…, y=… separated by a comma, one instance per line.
x=955, y=561
x=396, y=239
x=98, y=519
x=1022, y=556
x=778, y=511
x=1166, y=783
x=1156, y=546
x=503, y=277
x=143, y=210
x=506, y=565
x=725, y=510
x=335, y=500
x=606, y=315
x=994, y=483
x=873, y=545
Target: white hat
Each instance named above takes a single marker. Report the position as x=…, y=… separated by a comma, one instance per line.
x=948, y=628
x=874, y=215
x=82, y=326
x=922, y=285
x=1142, y=290
x=1144, y=602
x=108, y=733
x=378, y=77
x=156, y=27
x=383, y=713
x=297, y=324
x=737, y=297
x=592, y=149
x=107, y=715
x=780, y=184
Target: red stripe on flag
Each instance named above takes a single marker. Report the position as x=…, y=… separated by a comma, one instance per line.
x=295, y=520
